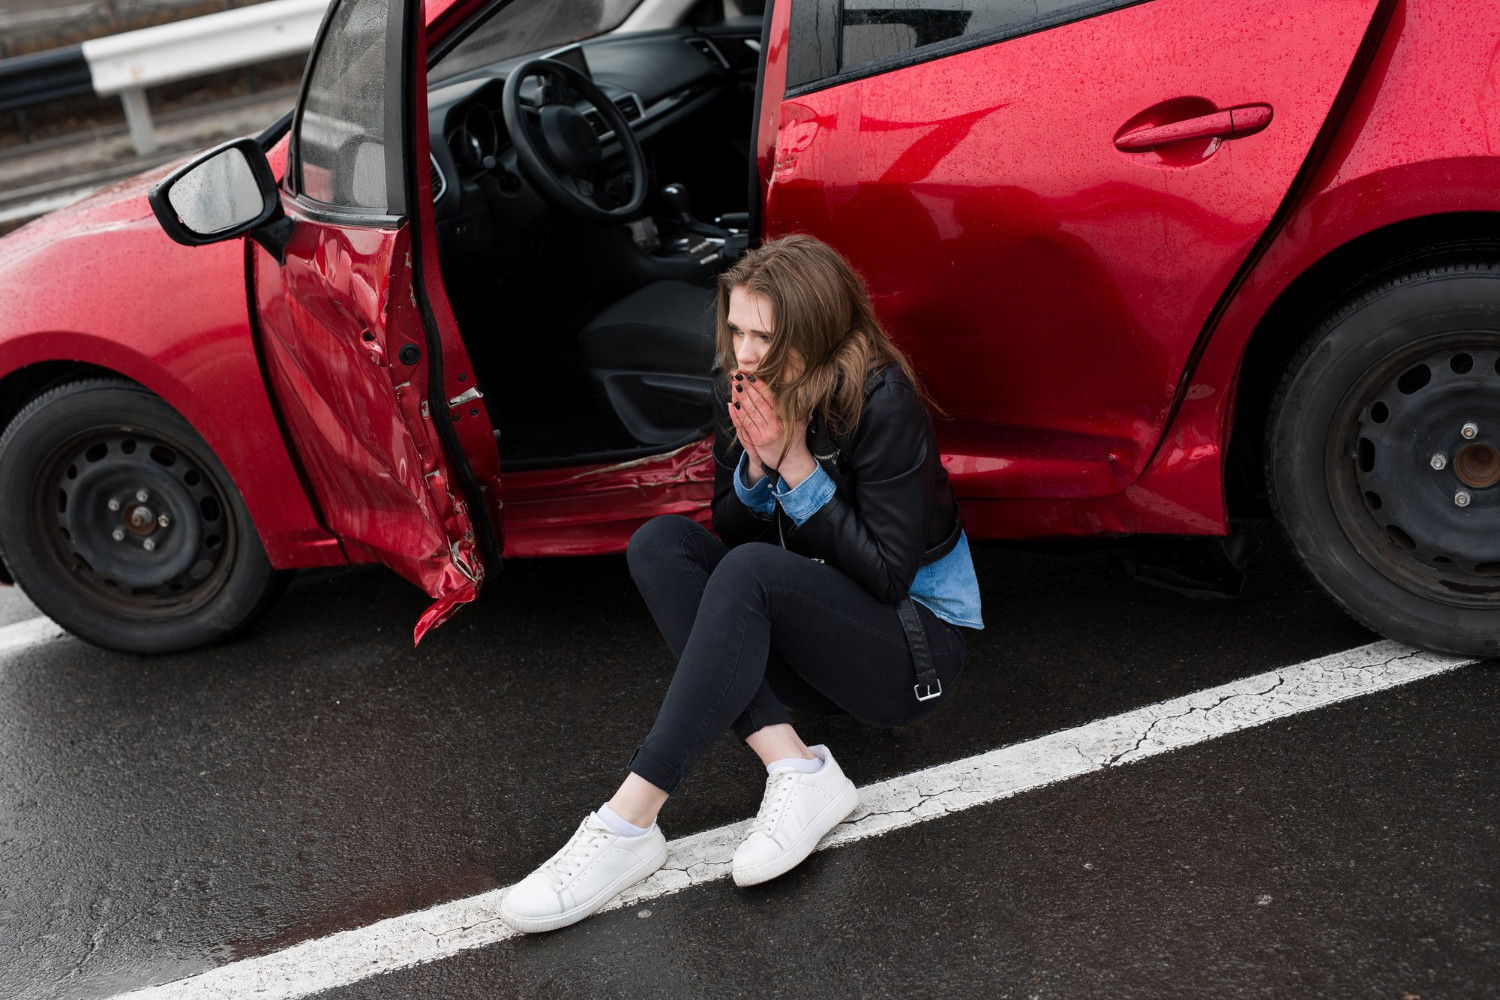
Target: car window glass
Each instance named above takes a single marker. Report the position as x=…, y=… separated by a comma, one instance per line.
x=341, y=141
x=877, y=29
x=829, y=37
x=530, y=26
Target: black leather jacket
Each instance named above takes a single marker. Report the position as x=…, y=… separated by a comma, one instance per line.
x=894, y=509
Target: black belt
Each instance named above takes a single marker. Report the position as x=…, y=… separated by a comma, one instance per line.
x=928, y=686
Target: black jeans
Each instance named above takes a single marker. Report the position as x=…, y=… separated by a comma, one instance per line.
x=758, y=629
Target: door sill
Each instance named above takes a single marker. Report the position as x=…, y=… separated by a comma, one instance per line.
x=600, y=457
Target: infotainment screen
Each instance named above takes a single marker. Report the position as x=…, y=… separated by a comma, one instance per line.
x=573, y=56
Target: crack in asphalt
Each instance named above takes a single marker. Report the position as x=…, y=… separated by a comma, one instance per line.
x=1410, y=654
x=1364, y=668
x=439, y=935
x=922, y=799
x=1117, y=759
x=1113, y=761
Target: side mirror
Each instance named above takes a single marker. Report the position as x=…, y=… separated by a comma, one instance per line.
x=221, y=194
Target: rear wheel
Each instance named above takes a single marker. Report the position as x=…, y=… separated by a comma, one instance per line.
x=121, y=525
x=1383, y=457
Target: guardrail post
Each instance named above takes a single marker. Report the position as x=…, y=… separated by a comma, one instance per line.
x=138, y=117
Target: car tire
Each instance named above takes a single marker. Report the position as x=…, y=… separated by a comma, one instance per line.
x=121, y=525
x=1383, y=456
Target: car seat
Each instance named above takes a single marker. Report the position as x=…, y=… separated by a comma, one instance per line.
x=648, y=358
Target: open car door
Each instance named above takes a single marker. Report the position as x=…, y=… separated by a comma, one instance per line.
x=360, y=344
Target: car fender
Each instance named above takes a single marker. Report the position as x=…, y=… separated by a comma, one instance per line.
x=1323, y=226
x=100, y=283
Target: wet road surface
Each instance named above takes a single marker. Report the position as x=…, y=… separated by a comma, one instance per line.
x=1322, y=857
x=161, y=816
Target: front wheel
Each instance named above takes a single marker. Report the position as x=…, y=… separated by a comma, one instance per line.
x=123, y=527
x=1383, y=457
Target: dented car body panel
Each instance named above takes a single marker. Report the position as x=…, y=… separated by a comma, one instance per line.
x=594, y=509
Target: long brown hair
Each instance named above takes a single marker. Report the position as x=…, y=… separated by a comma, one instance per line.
x=822, y=311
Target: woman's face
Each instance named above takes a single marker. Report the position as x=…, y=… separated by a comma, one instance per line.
x=752, y=326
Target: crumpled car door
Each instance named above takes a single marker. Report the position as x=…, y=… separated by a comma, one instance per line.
x=361, y=349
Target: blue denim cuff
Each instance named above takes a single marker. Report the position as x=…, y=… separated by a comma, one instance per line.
x=757, y=497
x=803, y=501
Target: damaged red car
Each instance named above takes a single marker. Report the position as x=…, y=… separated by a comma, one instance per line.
x=1164, y=264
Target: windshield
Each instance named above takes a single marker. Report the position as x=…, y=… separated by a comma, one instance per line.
x=528, y=26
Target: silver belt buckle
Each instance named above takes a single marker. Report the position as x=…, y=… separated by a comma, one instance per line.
x=931, y=694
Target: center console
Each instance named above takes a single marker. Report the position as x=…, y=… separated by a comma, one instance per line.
x=676, y=235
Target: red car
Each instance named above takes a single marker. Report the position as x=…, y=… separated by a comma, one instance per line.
x=1160, y=262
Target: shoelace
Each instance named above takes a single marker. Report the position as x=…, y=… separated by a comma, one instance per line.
x=566, y=862
x=778, y=787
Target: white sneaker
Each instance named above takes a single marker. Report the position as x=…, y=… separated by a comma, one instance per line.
x=796, y=811
x=593, y=867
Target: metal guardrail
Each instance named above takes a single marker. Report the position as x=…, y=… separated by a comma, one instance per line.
x=127, y=63
x=45, y=76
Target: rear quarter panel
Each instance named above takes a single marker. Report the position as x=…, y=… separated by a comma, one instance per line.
x=1421, y=138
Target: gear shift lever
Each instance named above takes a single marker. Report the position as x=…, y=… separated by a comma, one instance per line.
x=675, y=197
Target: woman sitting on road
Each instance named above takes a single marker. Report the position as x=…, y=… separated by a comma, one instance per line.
x=839, y=586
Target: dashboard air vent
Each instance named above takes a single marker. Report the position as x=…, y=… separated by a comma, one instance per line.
x=709, y=50
x=630, y=107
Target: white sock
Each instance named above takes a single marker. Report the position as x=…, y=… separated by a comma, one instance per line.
x=619, y=826
x=797, y=764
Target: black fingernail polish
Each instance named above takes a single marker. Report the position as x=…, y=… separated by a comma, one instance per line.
x=736, y=404
x=752, y=378
x=738, y=376
x=739, y=388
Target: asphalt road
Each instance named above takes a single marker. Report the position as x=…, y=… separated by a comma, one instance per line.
x=162, y=816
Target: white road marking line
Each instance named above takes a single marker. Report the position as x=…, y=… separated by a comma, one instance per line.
x=30, y=632
x=450, y=928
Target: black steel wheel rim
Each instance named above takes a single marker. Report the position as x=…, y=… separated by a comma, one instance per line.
x=136, y=525
x=1413, y=467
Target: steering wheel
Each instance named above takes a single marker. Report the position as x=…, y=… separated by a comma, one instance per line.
x=558, y=148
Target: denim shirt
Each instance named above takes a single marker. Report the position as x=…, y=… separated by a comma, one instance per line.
x=947, y=587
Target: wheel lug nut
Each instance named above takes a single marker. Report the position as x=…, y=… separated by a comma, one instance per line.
x=163, y=521
x=1470, y=431
x=1439, y=461
x=1462, y=498
x=149, y=545
x=118, y=534
x=141, y=496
